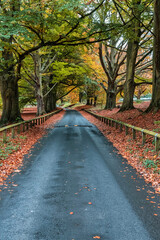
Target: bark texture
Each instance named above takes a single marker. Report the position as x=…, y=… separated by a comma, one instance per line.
x=50, y=100
x=9, y=93
x=129, y=85
x=155, y=102
x=9, y=77
x=132, y=51
x=111, y=60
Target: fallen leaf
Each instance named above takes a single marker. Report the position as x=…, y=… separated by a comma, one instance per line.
x=71, y=213
x=90, y=203
x=17, y=171
x=96, y=237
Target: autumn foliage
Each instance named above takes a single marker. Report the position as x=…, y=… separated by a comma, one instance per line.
x=144, y=159
x=22, y=145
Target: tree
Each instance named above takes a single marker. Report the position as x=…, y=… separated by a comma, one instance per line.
x=9, y=72
x=155, y=102
x=132, y=51
x=60, y=23
x=138, y=14
x=47, y=72
x=112, y=60
x=34, y=70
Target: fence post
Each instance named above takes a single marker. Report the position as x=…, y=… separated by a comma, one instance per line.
x=23, y=127
x=19, y=129
x=31, y=124
x=13, y=133
x=126, y=130
x=134, y=133
x=4, y=136
x=121, y=127
x=143, y=137
x=157, y=142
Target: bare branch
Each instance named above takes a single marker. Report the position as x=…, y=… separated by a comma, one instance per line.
x=50, y=90
x=67, y=93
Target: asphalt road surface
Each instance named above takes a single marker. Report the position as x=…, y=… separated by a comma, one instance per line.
x=75, y=186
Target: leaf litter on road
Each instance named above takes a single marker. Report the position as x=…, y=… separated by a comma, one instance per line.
x=143, y=158
x=21, y=146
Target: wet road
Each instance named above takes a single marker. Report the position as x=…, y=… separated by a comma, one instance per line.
x=75, y=186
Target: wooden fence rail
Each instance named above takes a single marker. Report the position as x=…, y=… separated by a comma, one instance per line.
x=126, y=127
x=25, y=125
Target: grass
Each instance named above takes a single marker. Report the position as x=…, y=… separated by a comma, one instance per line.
x=6, y=149
x=150, y=163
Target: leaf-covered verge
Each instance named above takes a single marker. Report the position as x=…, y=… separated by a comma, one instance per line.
x=143, y=158
x=12, y=153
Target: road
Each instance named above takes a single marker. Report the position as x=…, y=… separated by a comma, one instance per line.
x=75, y=186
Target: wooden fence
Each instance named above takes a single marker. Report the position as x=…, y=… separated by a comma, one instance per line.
x=124, y=126
x=24, y=126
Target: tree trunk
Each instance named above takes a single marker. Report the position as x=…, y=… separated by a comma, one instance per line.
x=95, y=101
x=155, y=102
x=110, y=95
x=88, y=101
x=38, y=80
x=50, y=100
x=110, y=100
x=129, y=85
x=40, y=105
x=80, y=97
x=9, y=77
x=9, y=92
x=132, y=50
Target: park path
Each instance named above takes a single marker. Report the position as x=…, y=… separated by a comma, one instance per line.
x=74, y=186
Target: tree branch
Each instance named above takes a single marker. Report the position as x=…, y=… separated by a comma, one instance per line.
x=50, y=90
x=67, y=93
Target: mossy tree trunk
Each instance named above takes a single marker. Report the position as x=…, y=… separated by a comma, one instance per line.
x=9, y=89
x=9, y=76
x=129, y=85
x=38, y=83
x=155, y=102
x=9, y=92
x=132, y=51
x=51, y=99
x=111, y=60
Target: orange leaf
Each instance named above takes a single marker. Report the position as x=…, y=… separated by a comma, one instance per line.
x=71, y=213
x=97, y=237
x=90, y=203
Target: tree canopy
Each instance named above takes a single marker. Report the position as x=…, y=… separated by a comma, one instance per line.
x=44, y=46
